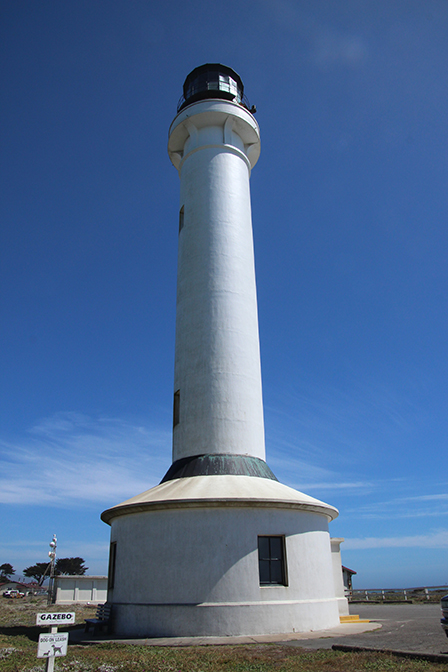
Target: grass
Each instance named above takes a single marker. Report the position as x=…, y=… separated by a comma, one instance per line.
x=19, y=635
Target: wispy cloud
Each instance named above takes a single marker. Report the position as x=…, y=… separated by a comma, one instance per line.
x=342, y=485
x=72, y=458
x=304, y=476
x=328, y=46
x=397, y=515
x=401, y=507
x=334, y=439
x=364, y=407
x=437, y=539
x=441, y=497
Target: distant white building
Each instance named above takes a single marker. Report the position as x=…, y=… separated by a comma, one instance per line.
x=69, y=589
x=27, y=588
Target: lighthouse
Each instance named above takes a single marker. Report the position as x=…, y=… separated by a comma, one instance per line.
x=219, y=547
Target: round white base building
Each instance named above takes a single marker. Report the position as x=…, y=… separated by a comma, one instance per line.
x=190, y=560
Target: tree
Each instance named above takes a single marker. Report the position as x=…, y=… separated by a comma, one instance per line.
x=6, y=570
x=37, y=571
x=70, y=566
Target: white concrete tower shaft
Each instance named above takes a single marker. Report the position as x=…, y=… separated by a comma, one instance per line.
x=218, y=406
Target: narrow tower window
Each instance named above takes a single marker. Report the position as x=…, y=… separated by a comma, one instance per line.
x=176, y=408
x=111, y=572
x=181, y=219
x=271, y=561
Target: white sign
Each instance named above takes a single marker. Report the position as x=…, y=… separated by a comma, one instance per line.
x=56, y=618
x=52, y=645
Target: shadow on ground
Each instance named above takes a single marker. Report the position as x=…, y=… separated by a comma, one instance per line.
x=32, y=632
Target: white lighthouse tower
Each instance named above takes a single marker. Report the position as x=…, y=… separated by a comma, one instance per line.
x=220, y=547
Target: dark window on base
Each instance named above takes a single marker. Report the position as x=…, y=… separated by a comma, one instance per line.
x=112, y=557
x=271, y=561
x=176, y=408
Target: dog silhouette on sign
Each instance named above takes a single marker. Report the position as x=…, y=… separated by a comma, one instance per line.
x=55, y=649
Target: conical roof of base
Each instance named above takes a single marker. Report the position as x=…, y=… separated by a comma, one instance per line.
x=215, y=491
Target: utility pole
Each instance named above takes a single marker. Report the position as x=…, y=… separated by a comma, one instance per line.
x=52, y=556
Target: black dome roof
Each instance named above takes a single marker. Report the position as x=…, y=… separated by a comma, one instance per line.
x=212, y=80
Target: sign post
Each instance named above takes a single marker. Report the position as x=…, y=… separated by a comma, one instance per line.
x=54, y=643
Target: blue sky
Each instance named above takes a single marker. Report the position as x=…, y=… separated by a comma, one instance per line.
x=351, y=241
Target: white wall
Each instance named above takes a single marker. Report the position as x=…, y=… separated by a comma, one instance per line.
x=196, y=573
x=337, y=575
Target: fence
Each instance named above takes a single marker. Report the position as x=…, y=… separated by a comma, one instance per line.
x=423, y=594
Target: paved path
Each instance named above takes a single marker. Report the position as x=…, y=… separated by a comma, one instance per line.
x=405, y=627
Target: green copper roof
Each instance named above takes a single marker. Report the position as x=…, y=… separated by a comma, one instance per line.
x=218, y=465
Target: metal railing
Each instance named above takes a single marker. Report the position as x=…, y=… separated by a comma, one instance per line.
x=244, y=102
x=420, y=594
